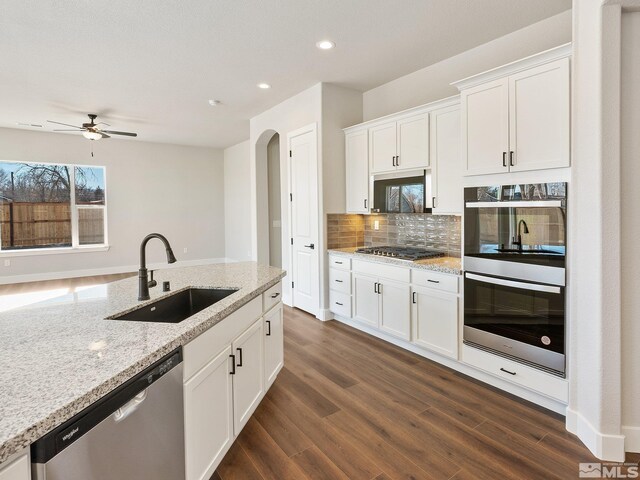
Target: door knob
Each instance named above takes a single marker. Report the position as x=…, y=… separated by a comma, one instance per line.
x=311, y=246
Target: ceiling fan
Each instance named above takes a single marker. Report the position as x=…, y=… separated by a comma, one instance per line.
x=92, y=130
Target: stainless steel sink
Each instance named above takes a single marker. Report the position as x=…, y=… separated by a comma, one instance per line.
x=177, y=307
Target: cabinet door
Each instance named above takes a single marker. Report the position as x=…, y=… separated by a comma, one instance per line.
x=208, y=417
x=273, y=344
x=395, y=312
x=382, y=148
x=18, y=469
x=539, y=119
x=413, y=142
x=485, y=128
x=446, y=165
x=434, y=318
x=357, y=164
x=248, y=380
x=365, y=299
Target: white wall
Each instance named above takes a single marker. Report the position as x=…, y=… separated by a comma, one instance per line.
x=151, y=187
x=237, y=202
x=630, y=229
x=432, y=83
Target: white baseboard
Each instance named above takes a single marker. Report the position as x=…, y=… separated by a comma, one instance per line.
x=512, y=388
x=324, y=314
x=631, y=438
x=89, y=272
x=604, y=446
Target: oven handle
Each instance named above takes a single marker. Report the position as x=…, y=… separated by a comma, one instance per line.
x=510, y=283
x=515, y=204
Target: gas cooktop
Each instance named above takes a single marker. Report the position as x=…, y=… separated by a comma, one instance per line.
x=403, y=253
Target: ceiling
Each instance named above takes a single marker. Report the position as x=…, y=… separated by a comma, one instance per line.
x=151, y=66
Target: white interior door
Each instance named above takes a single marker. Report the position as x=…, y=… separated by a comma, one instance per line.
x=303, y=167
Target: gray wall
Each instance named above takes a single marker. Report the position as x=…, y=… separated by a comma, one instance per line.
x=151, y=187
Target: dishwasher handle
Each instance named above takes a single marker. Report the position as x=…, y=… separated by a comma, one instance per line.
x=130, y=407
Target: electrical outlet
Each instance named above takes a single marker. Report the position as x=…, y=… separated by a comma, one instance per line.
x=7, y=263
x=185, y=250
x=376, y=225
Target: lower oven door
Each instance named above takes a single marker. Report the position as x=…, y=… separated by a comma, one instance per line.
x=522, y=320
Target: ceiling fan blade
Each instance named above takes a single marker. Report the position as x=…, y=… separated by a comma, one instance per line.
x=113, y=132
x=68, y=130
x=104, y=135
x=65, y=124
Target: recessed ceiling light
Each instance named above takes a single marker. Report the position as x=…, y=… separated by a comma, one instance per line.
x=325, y=44
x=264, y=86
x=214, y=103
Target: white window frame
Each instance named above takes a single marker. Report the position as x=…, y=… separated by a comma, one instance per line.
x=75, y=227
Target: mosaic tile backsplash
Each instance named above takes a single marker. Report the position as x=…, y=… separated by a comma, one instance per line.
x=436, y=232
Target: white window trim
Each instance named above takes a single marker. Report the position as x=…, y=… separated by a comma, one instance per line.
x=75, y=233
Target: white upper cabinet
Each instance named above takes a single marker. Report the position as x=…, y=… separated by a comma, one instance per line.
x=401, y=144
x=485, y=128
x=517, y=117
x=357, y=164
x=539, y=118
x=446, y=165
x=413, y=142
x=382, y=148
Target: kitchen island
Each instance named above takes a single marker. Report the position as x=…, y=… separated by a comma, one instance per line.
x=61, y=355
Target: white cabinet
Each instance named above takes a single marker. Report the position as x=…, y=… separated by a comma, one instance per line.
x=248, y=374
x=434, y=319
x=18, y=468
x=383, y=304
x=400, y=145
x=365, y=299
x=539, y=118
x=225, y=370
x=446, y=165
x=357, y=171
x=517, y=117
x=273, y=344
x=382, y=148
x=208, y=416
x=395, y=315
x=485, y=128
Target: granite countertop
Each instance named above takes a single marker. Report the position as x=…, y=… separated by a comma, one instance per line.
x=450, y=265
x=61, y=355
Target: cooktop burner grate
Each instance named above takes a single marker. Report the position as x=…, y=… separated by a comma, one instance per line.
x=403, y=253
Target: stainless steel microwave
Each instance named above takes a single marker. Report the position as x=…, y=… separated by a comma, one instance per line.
x=400, y=194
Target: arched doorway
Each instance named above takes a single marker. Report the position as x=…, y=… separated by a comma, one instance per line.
x=269, y=199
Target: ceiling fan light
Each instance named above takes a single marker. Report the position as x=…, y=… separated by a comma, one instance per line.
x=91, y=135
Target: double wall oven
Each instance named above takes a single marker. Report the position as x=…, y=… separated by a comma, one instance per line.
x=514, y=283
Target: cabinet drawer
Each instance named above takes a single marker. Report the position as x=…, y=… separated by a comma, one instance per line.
x=340, y=280
x=339, y=262
x=528, y=377
x=439, y=281
x=201, y=350
x=377, y=269
x=340, y=303
x=271, y=297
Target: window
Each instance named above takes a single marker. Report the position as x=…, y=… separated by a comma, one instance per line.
x=45, y=206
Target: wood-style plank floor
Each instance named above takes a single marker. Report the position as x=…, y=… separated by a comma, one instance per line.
x=350, y=406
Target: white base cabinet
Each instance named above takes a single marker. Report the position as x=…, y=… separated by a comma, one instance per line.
x=17, y=468
x=434, y=318
x=227, y=371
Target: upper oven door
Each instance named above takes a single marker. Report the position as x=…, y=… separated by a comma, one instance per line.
x=516, y=223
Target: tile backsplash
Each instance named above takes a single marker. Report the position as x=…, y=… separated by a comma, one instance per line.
x=436, y=232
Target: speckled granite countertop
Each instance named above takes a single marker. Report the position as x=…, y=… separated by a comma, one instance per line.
x=61, y=355
x=451, y=265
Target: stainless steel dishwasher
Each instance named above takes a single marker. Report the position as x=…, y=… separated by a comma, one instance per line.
x=135, y=432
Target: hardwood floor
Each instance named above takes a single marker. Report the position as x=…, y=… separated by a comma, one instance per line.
x=350, y=406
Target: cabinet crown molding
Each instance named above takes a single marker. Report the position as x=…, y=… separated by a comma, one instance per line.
x=526, y=63
x=425, y=108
